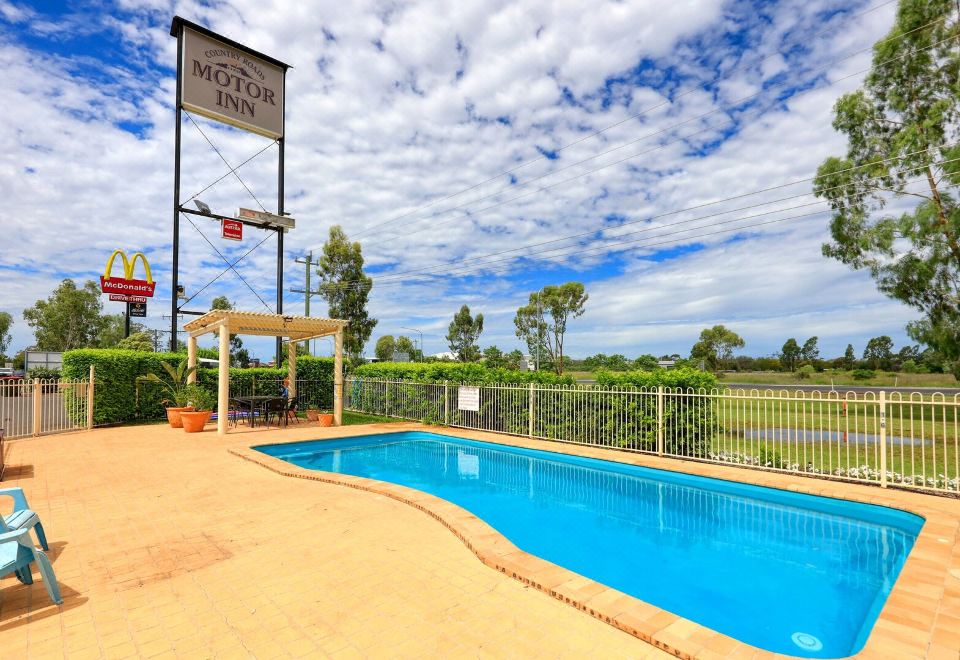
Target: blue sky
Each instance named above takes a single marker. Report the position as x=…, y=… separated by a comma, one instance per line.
x=437, y=134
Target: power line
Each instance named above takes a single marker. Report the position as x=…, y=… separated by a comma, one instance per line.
x=617, y=162
x=397, y=276
x=632, y=117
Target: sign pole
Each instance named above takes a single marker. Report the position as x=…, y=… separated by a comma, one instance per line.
x=126, y=322
x=281, y=142
x=175, y=278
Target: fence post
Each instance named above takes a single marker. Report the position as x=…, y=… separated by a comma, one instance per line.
x=37, y=406
x=90, y=386
x=883, y=439
x=446, y=403
x=533, y=396
x=660, y=420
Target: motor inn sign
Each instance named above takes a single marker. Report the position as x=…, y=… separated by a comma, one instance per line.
x=230, y=85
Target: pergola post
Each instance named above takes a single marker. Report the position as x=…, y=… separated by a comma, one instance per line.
x=292, y=366
x=338, y=379
x=223, y=380
x=192, y=359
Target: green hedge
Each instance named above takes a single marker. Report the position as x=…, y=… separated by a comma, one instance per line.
x=117, y=399
x=683, y=378
x=455, y=372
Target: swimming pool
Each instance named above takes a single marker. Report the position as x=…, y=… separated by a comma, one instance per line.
x=787, y=572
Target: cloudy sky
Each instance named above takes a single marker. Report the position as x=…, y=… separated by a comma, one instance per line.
x=479, y=151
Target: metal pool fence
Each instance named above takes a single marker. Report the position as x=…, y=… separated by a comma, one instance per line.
x=41, y=407
x=903, y=440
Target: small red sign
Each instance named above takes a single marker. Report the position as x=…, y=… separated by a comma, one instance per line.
x=122, y=285
x=122, y=297
x=231, y=230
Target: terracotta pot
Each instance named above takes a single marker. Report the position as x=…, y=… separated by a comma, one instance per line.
x=193, y=422
x=173, y=416
x=313, y=415
x=325, y=419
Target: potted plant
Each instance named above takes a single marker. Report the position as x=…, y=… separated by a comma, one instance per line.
x=202, y=401
x=174, y=389
x=325, y=418
x=313, y=413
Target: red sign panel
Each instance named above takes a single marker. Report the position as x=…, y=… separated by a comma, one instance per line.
x=231, y=229
x=122, y=297
x=128, y=287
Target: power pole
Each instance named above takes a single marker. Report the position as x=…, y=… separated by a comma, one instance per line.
x=307, y=291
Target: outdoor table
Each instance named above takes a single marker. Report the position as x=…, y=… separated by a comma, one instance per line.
x=253, y=401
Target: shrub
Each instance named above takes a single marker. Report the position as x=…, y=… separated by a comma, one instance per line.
x=863, y=374
x=805, y=371
x=456, y=372
x=117, y=400
x=683, y=378
x=42, y=373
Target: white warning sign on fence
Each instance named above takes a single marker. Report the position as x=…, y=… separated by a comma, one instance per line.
x=468, y=398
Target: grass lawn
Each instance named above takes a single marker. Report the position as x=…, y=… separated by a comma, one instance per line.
x=351, y=418
x=838, y=378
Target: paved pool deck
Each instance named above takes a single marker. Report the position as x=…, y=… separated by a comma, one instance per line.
x=172, y=545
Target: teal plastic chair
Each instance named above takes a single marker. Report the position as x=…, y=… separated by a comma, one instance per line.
x=23, y=517
x=17, y=554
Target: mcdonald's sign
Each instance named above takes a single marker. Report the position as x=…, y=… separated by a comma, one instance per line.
x=126, y=285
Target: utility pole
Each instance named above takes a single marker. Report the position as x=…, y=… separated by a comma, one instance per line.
x=307, y=291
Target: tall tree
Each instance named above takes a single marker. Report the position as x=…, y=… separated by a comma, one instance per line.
x=716, y=346
x=902, y=129
x=385, y=348
x=463, y=333
x=69, y=318
x=407, y=345
x=810, y=350
x=346, y=289
x=5, y=322
x=137, y=341
x=790, y=354
x=494, y=358
x=849, y=358
x=542, y=322
x=238, y=354
x=878, y=352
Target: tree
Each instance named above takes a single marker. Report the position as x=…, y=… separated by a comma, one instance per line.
x=849, y=358
x=716, y=346
x=790, y=354
x=385, y=348
x=69, y=318
x=113, y=328
x=562, y=303
x=646, y=363
x=878, y=352
x=513, y=359
x=494, y=358
x=236, y=344
x=5, y=322
x=137, y=341
x=463, y=333
x=901, y=128
x=406, y=345
x=810, y=350
x=346, y=289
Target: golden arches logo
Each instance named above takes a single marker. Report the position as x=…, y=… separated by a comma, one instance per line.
x=126, y=285
x=128, y=266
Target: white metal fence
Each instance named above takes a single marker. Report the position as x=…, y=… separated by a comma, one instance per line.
x=40, y=407
x=910, y=441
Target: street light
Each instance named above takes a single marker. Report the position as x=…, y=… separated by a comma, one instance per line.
x=421, y=339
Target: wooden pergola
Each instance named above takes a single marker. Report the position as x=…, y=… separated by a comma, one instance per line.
x=293, y=328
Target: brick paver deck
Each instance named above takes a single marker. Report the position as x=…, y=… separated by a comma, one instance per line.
x=166, y=545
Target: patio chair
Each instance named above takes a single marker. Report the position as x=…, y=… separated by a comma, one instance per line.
x=276, y=407
x=292, y=410
x=16, y=555
x=23, y=517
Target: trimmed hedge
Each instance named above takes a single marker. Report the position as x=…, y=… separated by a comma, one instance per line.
x=456, y=372
x=116, y=396
x=683, y=378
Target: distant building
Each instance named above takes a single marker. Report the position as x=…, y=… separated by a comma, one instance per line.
x=666, y=364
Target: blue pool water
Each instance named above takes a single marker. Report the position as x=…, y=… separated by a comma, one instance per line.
x=786, y=572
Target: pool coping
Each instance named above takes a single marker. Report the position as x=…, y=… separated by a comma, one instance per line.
x=920, y=619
